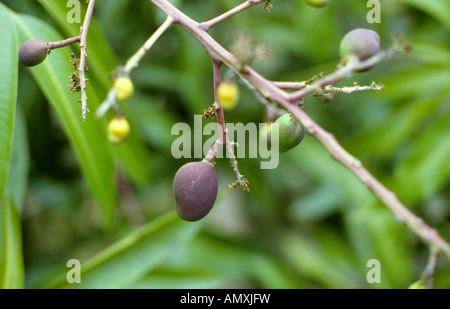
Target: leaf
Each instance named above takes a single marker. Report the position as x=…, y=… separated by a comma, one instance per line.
x=102, y=61
x=311, y=261
x=11, y=260
x=17, y=181
x=8, y=93
x=439, y=9
x=425, y=169
x=88, y=139
x=132, y=257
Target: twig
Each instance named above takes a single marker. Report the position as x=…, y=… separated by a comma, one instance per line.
x=247, y=4
x=83, y=55
x=132, y=63
x=134, y=60
x=344, y=71
x=63, y=43
x=288, y=101
x=427, y=276
x=356, y=88
x=223, y=135
x=219, y=114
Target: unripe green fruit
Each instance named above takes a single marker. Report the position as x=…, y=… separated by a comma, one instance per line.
x=32, y=52
x=361, y=43
x=318, y=3
x=417, y=285
x=195, y=189
x=291, y=132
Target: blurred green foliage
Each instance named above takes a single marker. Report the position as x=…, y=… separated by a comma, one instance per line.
x=309, y=223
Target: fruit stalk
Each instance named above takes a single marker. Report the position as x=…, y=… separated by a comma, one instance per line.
x=133, y=62
x=83, y=55
x=247, y=4
x=63, y=43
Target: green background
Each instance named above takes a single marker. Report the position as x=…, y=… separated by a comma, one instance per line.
x=66, y=193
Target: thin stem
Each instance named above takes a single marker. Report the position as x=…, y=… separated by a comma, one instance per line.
x=132, y=63
x=353, y=89
x=217, y=65
x=83, y=55
x=223, y=137
x=427, y=276
x=290, y=85
x=247, y=4
x=134, y=60
x=63, y=43
x=345, y=71
x=275, y=94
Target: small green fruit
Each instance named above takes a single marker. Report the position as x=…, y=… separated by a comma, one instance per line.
x=417, y=285
x=291, y=132
x=195, y=189
x=361, y=43
x=32, y=52
x=318, y=3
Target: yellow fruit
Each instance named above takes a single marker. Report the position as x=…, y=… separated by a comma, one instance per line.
x=124, y=88
x=228, y=95
x=118, y=130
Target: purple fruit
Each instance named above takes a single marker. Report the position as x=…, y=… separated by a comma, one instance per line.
x=195, y=189
x=361, y=43
x=32, y=52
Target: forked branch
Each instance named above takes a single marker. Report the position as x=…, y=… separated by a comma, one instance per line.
x=271, y=91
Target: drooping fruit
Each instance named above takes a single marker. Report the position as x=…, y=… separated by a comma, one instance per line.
x=228, y=95
x=124, y=88
x=361, y=43
x=290, y=132
x=118, y=130
x=32, y=52
x=195, y=189
x=317, y=3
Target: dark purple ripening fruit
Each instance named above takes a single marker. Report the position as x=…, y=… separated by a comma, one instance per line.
x=195, y=189
x=32, y=52
x=360, y=43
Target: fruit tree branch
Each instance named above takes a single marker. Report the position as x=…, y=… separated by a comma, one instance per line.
x=83, y=55
x=288, y=101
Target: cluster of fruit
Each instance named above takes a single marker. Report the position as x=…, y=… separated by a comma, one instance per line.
x=195, y=185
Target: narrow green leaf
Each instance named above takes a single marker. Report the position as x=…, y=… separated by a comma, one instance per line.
x=88, y=139
x=8, y=92
x=102, y=61
x=313, y=262
x=419, y=175
x=17, y=181
x=439, y=9
x=132, y=257
x=11, y=260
